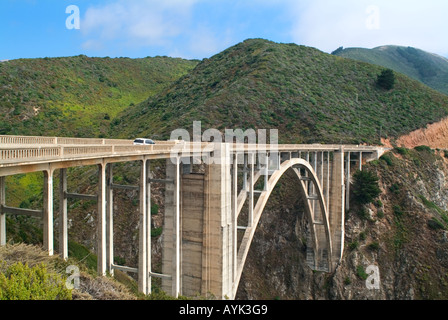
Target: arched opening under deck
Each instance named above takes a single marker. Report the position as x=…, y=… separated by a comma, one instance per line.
x=315, y=209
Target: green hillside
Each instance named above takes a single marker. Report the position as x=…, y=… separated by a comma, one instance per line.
x=310, y=96
x=78, y=96
x=426, y=67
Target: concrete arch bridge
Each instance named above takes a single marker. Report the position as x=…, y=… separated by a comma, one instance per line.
x=215, y=195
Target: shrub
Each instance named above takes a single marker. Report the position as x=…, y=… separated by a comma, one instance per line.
x=386, y=79
x=154, y=209
x=374, y=246
x=386, y=158
x=395, y=188
x=402, y=151
x=353, y=245
x=365, y=186
x=435, y=224
x=21, y=282
x=397, y=210
x=378, y=203
x=361, y=272
x=423, y=148
x=156, y=232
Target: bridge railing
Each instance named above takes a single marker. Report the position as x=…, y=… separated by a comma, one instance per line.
x=38, y=140
x=26, y=140
x=28, y=154
x=26, y=149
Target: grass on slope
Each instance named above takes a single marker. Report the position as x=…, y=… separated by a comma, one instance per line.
x=78, y=96
x=91, y=286
x=308, y=95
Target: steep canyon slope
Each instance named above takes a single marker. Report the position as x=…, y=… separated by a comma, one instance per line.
x=309, y=96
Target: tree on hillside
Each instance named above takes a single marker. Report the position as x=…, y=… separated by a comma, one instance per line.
x=365, y=186
x=338, y=50
x=386, y=79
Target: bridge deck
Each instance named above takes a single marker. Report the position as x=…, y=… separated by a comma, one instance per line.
x=16, y=151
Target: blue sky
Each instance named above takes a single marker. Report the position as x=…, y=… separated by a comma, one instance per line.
x=202, y=28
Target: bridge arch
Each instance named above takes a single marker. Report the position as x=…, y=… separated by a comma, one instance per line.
x=318, y=238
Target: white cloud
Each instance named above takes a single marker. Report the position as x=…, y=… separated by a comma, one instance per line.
x=200, y=28
x=138, y=22
x=327, y=25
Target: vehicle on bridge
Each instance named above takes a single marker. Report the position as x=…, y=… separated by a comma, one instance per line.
x=142, y=141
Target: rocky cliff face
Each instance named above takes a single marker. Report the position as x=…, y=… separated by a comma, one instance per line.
x=403, y=234
x=434, y=135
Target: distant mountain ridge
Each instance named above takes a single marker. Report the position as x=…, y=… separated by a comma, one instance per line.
x=429, y=68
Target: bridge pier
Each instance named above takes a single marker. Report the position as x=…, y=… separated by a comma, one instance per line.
x=199, y=239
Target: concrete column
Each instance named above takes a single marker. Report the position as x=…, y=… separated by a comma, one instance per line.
x=313, y=188
x=321, y=175
x=328, y=181
x=101, y=224
x=48, y=212
x=2, y=215
x=250, y=218
x=110, y=219
x=245, y=169
x=143, y=234
x=171, y=256
x=306, y=174
x=235, y=211
x=266, y=177
x=347, y=183
x=217, y=274
x=148, y=227
x=63, y=219
x=360, y=161
x=337, y=210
